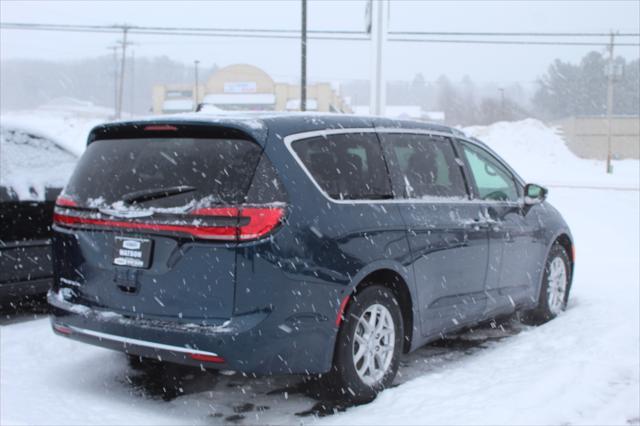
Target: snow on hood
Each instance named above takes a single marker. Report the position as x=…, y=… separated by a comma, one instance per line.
x=39, y=148
x=29, y=164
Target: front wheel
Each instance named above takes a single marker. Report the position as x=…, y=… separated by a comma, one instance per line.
x=554, y=291
x=368, y=346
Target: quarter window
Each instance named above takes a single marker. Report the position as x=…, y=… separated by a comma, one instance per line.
x=424, y=166
x=493, y=181
x=346, y=166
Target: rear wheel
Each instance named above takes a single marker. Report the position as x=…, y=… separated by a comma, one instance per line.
x=554, y=291
x=368, y=347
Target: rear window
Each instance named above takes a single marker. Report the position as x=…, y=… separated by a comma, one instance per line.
x=217, y=171
x=347, y=166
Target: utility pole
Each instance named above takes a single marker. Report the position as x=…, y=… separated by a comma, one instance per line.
x=195, y=85
x=303, y=70
x=502, y=114
x=125, y=30
x=610, y=76
x=379, y=21
x=115, y=77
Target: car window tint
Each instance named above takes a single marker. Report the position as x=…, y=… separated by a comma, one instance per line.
x=265, y=187
x=349, y=166
x=493, y=181
x=219, y=170
x=426, y=166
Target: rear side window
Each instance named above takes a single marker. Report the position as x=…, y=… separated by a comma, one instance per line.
x=217, y=171
x=424, y=166
x=347, y=166
x=492, y=180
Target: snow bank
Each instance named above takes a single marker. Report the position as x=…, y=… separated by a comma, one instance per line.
x=539, y=154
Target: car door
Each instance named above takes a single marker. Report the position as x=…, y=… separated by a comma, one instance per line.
x=511, y=232
x=448, y=245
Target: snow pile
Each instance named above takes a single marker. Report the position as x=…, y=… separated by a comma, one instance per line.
x=539, y=154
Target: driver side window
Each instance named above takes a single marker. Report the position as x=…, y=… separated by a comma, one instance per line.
x=493, y=181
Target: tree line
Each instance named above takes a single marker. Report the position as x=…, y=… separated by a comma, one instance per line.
x=565, y=89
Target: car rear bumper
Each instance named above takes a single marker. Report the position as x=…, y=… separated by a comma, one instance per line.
x=258, y=342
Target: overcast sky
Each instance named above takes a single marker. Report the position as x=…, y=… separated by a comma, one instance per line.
x=328, y=60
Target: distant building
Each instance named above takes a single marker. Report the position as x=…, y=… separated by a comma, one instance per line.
x=408, y=112
x=587, y=136
x=245, y=87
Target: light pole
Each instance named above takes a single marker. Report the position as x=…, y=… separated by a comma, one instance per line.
x=196, y=99
x=303, y=59
x=379, y=21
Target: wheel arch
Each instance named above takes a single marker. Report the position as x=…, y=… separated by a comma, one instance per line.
x=565, y=241
x=394, y=281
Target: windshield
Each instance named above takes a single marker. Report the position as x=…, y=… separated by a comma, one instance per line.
x=217, y=171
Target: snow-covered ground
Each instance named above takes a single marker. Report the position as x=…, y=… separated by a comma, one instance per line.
x=581, y=368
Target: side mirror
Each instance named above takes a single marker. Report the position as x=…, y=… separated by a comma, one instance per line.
x=534, y=194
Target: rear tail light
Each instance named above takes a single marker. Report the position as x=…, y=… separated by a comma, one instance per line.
x=253, y=222
x=236, y=223
x=65, y=201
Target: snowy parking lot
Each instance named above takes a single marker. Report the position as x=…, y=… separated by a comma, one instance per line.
x=581, y=368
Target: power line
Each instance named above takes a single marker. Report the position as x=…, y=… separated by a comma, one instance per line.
x=328, y=34
x=118, y=28
x=508, y=34
x=510, y=42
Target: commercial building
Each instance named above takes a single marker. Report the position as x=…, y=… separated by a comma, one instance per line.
x=245, y=87
x=587, y=136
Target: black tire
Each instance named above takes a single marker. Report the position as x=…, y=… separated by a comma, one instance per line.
x=343, y=381
x=543, y=312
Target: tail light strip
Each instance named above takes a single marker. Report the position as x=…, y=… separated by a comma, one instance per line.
x=252, y=222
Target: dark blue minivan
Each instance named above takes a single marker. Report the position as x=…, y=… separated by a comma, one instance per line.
x=325, y=245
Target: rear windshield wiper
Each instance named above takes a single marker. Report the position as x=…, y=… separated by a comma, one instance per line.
x=153, y=194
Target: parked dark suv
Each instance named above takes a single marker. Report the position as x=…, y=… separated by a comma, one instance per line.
x=33, y=171
x=298, y=243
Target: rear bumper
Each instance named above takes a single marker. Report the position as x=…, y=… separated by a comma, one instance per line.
x=259, y=342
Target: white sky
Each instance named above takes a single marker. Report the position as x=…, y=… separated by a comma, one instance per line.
x=328, y=60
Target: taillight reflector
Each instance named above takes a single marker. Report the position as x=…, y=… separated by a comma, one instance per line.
x=62, y=329
x=341, y=310
x=208, y=358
